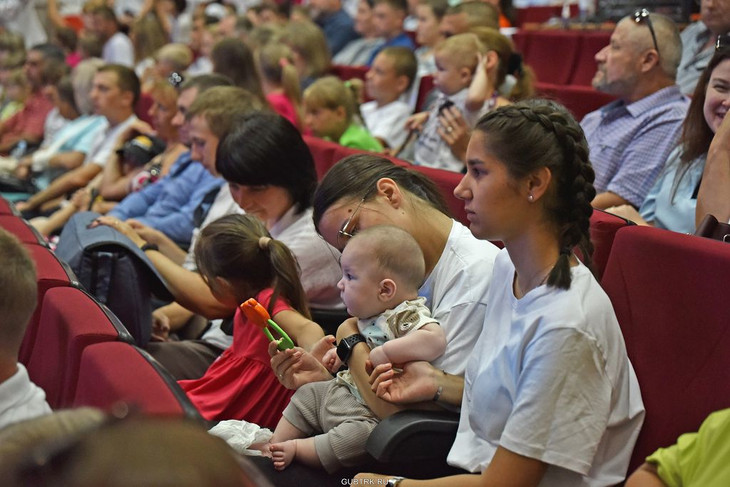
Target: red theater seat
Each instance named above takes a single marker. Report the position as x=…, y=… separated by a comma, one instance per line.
x=552, y=54
x=323, y=153
x=50, y=273
x=580, y=100
x=7, y=208
x=21, y=229
x=114, y=372
x=603, y=232
x=585, y=62
x=70, y=321
x=669, y=291
x=446, y=182
x=349, y=72
x=424, y=88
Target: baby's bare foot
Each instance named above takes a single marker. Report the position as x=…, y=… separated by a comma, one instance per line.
x=264, y=448
x=283, y=453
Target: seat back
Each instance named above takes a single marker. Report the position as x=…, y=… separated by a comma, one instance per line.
x=70, y=321
x=114, y=372
x=585, y=62
x=446, y=182
x=21, y=229
x=543, y=46
x=580, y=100
x=323, y=153
x=425, y=85
x=50, y=273
x=603, y=231
x=7, y=208
x=670, y=294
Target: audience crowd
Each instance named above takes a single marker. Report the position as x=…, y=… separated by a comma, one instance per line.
x=184, y=127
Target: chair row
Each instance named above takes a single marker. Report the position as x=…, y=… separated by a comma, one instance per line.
x=561, y=56
x=78, y=351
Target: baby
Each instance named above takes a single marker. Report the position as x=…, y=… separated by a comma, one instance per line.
x=327, y=424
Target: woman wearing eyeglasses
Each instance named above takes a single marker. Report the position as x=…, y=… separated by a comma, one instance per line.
x=672, y=201
x=365, y=190
x=549, y=396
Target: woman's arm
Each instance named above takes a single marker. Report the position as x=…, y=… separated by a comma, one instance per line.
x=169, y=248
x=507, y=469
x=630, y=213
x=714, y=194
x=645, y=476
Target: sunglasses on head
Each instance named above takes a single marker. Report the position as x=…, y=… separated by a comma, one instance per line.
x=643, y=16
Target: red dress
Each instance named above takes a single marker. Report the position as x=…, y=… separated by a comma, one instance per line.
x=240, y=384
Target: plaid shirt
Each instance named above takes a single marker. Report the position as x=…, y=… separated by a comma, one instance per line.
x=630, y=143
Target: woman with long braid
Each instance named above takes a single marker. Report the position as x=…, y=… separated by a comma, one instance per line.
x=550, y=398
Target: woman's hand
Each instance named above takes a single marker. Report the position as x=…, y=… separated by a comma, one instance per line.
x=121, y=227
x=628, y=212
x=295, y=367
x=149, y=234
x=454, y=131
x=160, y=326
x=415, y=383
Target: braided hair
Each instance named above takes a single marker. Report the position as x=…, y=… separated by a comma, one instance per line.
x=549, y=137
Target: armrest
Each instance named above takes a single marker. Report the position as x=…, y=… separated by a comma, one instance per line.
x=329, y=319
x=413, y=435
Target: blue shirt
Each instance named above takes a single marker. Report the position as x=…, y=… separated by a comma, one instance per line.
x=401, y=40
x=168, y=205
x=672, y=201
x=630, y=143
x=338, y=29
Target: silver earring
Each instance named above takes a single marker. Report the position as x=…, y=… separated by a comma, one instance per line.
x=530, y=198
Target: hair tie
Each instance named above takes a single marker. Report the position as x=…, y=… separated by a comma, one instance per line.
x=264, y=243
x=514, y=64
x=348, y=85
x=283, y=62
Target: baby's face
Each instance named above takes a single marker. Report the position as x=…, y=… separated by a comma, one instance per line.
x=360, y=283
x=449, y=78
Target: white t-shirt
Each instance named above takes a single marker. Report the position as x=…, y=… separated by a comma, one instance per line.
x=20, y=399
x=118, y=50
x=106, y=141
x=387, y=122
x=551, y=381
x=456, y=291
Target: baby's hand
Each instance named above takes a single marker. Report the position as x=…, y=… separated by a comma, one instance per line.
x=415, y=122
x=331, y=361
x=378, y=356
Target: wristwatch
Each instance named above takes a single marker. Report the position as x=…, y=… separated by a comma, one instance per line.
x=149, y=246
x=394, y=481
x=344, y=348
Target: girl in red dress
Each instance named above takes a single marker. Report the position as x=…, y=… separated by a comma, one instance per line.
x=239, y=260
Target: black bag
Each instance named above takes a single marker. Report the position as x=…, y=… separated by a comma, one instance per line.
x=114, y=270
x=711, y=228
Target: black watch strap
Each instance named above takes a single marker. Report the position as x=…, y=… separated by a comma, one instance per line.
x=344, y=348
x=149, y=246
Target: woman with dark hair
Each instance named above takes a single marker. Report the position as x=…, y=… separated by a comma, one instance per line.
x=271, y=175
x=365, y=190
x=672, y=201
x=232, y=57
x=551, y=397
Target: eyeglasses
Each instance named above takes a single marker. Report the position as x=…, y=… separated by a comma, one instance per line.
x=641, y=16
x=175, y=79
x=348, y=228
